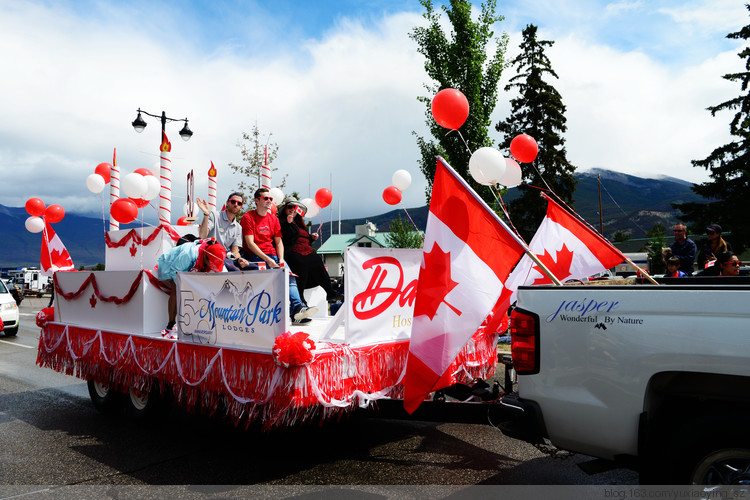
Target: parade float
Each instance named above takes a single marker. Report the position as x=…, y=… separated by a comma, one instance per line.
x=236, y=352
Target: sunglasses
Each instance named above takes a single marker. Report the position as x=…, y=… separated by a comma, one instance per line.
x=678, y=230
x=710, y=232
x=235, y=202
x=734, y=263
x=265, y=198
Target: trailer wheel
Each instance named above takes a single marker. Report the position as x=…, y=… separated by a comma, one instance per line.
x=105, y=399
x=145, y=406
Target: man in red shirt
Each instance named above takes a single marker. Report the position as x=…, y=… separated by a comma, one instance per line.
x=261, y=241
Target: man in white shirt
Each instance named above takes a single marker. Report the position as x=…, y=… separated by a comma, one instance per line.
x=225, y=227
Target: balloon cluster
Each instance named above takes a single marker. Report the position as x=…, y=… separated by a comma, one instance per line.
x=39, y=213
x=488, y=166
x=140, y=187
x=401, y=180
x=323, y=197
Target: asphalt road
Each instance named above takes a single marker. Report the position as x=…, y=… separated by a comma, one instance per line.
x=50, y=434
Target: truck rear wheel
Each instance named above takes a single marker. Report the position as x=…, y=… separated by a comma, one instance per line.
x=105, y=399
x=726, y=466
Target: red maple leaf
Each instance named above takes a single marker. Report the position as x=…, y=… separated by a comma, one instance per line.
x=133, y=249
x=435, y=283
x=559, y=266
x=93, y=301
x=61, y=259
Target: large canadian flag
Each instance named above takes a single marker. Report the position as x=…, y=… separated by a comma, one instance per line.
x=567, y=247
x=55, y=256
x=468, y=254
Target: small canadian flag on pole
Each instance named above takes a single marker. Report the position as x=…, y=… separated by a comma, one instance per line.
x=468, y=254
x=568, y=248
x=55, y=256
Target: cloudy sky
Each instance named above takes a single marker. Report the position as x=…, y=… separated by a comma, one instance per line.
x=335, y=83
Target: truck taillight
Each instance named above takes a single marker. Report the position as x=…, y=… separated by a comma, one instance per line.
x=524, y=342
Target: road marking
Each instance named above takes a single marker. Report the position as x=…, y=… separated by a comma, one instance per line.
x=17, y=344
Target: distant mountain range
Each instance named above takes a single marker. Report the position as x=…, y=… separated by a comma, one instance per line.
x=630, y=204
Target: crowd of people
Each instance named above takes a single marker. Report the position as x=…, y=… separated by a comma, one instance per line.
x=715, y=257
x=258, y=239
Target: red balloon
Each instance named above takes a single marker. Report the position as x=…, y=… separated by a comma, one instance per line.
x=104, y=170
x=392, y=195
x=182, y=222
x=54, y=213
x=124, y=210
x=274, y=209
x=323, y=197
x=450, y=108
x=143, y=171
x=524, y=148
x=139, y=202
x=35, y=207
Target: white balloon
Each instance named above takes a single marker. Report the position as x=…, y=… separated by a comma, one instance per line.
x=35, y=224
x=195, y=209
x=308, y=203
x=512, y=175
x=401, y=179
x=313, y=209
x=95, y=183
x=134, y=185
x=487, y=166
x=153, y=186
x=277, y=195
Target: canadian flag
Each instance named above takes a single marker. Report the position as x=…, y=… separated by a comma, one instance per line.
x=55, y=256
x=567, y=247
x=468, y=254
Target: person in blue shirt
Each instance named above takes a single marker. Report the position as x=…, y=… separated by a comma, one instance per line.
x=684, y=248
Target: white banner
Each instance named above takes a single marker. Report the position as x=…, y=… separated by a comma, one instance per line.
x=245, y=309
x=380, y=285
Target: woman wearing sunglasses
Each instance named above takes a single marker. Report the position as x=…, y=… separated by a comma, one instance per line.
x=713, y=247
x=729, y=264
x=300, y=255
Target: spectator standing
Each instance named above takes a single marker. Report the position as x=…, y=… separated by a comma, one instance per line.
x=683, y=248
x=713, y=247
x=261, y=234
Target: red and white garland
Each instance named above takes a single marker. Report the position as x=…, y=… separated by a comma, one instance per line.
x=91, y=280
x=133, y=234
x=299, y=381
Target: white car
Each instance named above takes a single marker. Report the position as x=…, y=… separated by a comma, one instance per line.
x=8, y=311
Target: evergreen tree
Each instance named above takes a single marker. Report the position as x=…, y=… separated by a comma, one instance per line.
x=403, y=235
x=729, y=165
x=254, y=157
x=460, y=62
x=539, y=112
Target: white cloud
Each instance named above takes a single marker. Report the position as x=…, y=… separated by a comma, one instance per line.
x=342, y=105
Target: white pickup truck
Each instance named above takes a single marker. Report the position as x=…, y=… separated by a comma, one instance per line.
x=653, y=378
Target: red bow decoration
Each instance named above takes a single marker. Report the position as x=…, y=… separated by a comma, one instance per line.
x=293, y=349
x=45, y=316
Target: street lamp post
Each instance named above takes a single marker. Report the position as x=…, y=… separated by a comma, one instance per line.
x=139, y=124
x=165, y=163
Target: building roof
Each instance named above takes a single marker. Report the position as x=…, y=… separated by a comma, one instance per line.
x=337, y=243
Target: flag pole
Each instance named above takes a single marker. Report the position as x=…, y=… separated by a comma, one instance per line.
x=641, y=270
x=541, y=266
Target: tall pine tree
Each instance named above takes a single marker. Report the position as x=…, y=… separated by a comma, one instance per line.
x=729, y=165
x=539, y=112
x=460, y=62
